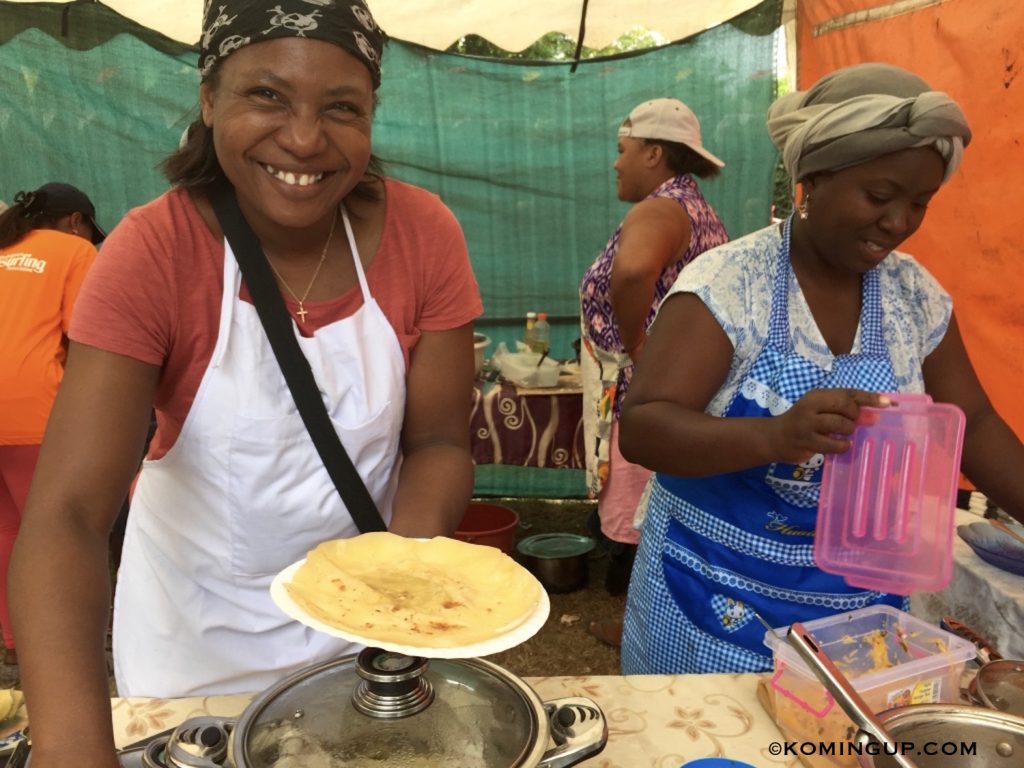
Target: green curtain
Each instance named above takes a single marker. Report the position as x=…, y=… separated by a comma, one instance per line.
x=521, y=152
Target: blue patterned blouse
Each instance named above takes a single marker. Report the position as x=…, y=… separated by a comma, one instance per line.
x=916, y=309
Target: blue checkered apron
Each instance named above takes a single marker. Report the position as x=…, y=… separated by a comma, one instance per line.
x=716, y=549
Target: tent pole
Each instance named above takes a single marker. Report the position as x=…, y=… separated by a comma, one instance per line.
x=580, y=36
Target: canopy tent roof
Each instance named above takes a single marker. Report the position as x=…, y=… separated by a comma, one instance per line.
x=439, y=23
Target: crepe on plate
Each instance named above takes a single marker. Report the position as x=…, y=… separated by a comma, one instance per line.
x=433, y=593
x=13, y=716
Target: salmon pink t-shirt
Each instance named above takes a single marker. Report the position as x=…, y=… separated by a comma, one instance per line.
x=154, y=291
x=40, y=276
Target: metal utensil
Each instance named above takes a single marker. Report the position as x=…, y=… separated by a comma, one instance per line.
x=543, y=357
x=844, y=693
x=760, y=618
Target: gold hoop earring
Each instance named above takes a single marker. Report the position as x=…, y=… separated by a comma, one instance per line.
x=802, y=209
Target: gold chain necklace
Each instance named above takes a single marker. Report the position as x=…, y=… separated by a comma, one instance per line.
x=302, y=311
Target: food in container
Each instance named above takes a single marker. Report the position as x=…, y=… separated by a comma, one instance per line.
x=892, y=659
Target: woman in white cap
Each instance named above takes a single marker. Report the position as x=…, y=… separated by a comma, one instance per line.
x=369, y=279
x=47, y=244
x=659, y=153
x=760, y=360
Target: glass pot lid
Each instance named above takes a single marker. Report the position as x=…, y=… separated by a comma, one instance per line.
x=382, y=708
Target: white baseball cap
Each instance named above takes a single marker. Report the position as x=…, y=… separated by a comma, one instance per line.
x=667, y=120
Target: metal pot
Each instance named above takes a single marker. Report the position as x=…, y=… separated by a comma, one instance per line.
x=558, y=560
x=382, y=708
x=997, y=738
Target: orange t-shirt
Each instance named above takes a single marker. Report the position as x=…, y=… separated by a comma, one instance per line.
x=39, y=280
x=154, y=292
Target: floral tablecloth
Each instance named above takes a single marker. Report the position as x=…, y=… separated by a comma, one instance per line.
x=527, y=427
x=653, y=720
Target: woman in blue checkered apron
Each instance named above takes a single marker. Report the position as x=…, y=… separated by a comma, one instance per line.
x=760, y=359
x=708, y=542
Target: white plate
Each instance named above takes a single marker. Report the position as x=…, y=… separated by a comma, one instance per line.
x=510, y=639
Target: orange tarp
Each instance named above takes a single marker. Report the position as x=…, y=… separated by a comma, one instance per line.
x=970, y=239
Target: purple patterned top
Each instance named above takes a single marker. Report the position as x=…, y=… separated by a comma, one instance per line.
x=707, y=231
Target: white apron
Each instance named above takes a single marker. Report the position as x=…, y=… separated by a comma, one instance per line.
x=242, y=494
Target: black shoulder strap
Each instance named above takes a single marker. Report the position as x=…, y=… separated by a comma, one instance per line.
x=277, y=323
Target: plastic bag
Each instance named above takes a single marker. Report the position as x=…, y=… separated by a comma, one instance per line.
x=520, y=367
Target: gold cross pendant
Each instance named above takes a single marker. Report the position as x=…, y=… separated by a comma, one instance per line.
x=301, y=312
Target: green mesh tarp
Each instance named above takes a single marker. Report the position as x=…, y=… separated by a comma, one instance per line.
x=521, y=152
x=91, y=98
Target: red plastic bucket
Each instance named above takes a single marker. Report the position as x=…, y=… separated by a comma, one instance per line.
x=490, y=524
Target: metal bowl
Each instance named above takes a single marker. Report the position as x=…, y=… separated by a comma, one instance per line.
x=999, y=684
x=995, y=738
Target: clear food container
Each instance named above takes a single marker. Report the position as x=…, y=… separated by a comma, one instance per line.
x=891, y=658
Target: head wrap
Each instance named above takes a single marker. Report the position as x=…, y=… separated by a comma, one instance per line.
x=858, y=113
x=231, y=24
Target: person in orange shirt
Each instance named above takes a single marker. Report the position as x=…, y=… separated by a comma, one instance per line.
x=47, y=242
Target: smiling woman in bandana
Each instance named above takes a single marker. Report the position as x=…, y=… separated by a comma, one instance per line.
x=759, y=361
x=382, y=298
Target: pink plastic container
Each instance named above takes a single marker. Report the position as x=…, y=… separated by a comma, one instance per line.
x=885, y=515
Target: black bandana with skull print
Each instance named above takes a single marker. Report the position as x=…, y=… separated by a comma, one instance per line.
x=230, y=24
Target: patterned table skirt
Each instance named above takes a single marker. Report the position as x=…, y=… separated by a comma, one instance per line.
x=527, y=427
